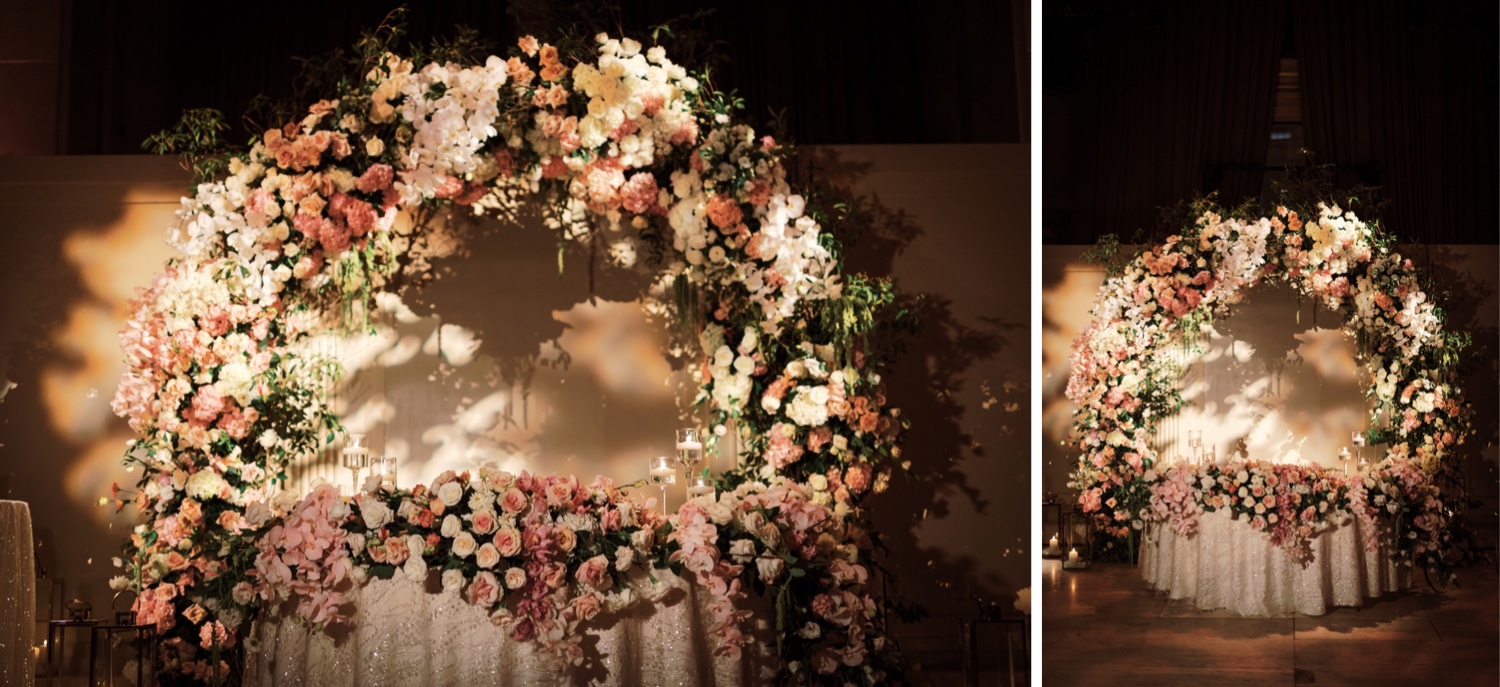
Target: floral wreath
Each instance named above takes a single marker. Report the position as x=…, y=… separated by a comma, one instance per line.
x=1122, y=384
x=322, y=221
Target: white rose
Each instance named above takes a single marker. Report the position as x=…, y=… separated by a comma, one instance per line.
x=415, y=568
x=452, y=493
x=487, y=556
x=742, y=550
x=453, y=580
x=416, y=544
x=514, y=578
x=374, y=146
x=810, y=631
x=356, y=543
x=818, y=482
x=770, y=569
x=451, y=526
x=374, y=511
x=464, y=545
x=642, y=539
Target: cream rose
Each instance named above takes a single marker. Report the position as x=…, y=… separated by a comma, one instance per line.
x=515, y=578
x=464, y=545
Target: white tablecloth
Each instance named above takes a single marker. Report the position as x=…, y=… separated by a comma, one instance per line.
x=404, y=635
x=1228, y=565
x=17, y=594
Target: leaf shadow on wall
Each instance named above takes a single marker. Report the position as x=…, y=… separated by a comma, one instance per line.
x=60, y=445
x=928, y=382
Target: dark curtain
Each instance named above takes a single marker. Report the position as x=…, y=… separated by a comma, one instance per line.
x=844, y=71
x=1403, y=94
x=1169, y=106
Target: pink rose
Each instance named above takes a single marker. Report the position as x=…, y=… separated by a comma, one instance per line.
x=484, y=591
x=508, y=542
x=513, y=501
x=594, y=572
x=484, y=522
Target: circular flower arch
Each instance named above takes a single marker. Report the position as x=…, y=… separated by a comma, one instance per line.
x=323, y=221
x=1122, y=383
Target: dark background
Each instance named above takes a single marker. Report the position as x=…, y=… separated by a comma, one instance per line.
x=843, y=71
x=1148, y=102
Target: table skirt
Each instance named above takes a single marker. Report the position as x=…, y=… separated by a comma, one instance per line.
x=403, y=634
x=17, y=594
x=1228, y=565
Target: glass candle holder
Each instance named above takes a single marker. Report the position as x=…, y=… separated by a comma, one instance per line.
x=689, y=447
x=701, y=485
x=356, y=457
x=661, y=472
x=387, y=466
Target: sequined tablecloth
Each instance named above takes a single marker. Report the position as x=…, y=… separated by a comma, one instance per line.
x=17, y=594
x=403, y=634
x=1228, y=565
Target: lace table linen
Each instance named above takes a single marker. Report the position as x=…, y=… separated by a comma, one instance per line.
x=402, y=635
x=18, y=589
x=1228, y=565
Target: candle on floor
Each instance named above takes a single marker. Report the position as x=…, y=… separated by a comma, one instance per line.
x=1052, y=544
x=1073, y=556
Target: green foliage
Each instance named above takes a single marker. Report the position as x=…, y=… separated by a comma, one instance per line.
x=197, y=138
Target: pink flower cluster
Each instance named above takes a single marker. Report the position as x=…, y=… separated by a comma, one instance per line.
x=306, y=556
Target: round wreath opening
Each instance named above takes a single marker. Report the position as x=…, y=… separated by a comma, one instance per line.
x=1122, y=384
x=321, y=223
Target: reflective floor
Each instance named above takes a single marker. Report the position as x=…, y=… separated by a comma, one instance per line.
x=1105, y=627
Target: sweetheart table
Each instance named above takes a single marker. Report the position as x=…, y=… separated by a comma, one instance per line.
x=402, y=634
x=1228, y=565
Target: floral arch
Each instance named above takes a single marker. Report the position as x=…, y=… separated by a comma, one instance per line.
x=308, y=231
x=1123, y=384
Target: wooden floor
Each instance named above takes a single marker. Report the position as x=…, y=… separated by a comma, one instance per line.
x=1104, y=628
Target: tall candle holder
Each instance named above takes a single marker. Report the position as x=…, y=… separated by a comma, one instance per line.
x=1195, y=442
x=356, y=458
x=1344, y=458
x=689, y=450
x=662, y=472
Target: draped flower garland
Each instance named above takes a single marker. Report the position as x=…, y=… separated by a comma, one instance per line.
x=1123, y=382
x=322, y=221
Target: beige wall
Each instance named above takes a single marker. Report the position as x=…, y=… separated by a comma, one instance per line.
x=440, y=390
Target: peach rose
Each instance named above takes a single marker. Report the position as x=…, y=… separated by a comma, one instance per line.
x=586, y=607
x=515, y=578
x=564, y=538
x=464, y=545
x=488, y=556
